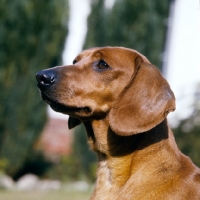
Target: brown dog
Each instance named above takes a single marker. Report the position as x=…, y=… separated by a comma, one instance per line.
x=123, y=101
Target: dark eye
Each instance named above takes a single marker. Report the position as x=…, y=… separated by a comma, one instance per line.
x=74, y=61
x=102, y=65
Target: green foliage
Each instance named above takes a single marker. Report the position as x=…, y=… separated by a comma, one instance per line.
x=187, y=132
x=80, y=164
x=3, y=164
x=65, y=170
x=137, y=24
x=32, y=38
x=86, y=158
x=36, y=164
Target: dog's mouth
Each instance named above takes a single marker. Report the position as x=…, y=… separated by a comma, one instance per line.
x=65, y=109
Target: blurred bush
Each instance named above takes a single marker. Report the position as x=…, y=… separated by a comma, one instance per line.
x=187, y=133
x=137, y=24
x=32, y=38
x=79, y=165
x=85, y=157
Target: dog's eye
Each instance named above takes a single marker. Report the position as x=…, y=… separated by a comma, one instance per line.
x=102, y=65
x=74, y=61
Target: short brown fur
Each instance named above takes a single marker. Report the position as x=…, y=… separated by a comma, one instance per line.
x=123, y=106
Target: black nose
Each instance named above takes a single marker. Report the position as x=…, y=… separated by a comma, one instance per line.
x=45, y=78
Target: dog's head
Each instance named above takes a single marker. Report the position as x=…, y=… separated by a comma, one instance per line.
x=113, y=82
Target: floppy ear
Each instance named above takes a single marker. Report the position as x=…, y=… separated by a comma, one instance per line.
x=72, y=122
x=143, y=104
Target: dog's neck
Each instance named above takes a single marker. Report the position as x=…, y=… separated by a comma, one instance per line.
x=120, y=156
x=103, y=140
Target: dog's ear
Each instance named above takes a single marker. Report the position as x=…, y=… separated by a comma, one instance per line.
x=144, y=102
x=72, y=122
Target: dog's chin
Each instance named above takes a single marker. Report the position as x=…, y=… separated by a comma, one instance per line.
x=65, y=109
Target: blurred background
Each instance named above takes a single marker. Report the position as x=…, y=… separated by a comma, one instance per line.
x=37, y=151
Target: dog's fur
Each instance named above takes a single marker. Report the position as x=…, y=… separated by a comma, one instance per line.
x=123, y=101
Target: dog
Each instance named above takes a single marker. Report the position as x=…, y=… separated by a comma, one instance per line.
x=123, y=101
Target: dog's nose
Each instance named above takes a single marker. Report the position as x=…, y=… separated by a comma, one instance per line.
x=45, y=78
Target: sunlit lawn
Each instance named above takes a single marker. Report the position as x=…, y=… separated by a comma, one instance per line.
x=50, y=195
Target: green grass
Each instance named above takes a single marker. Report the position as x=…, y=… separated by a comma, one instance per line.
x=50, y=195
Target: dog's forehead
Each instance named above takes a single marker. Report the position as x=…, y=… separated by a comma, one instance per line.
x=108, y=53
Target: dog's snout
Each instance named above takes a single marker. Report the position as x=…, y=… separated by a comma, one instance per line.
x=45, y=78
